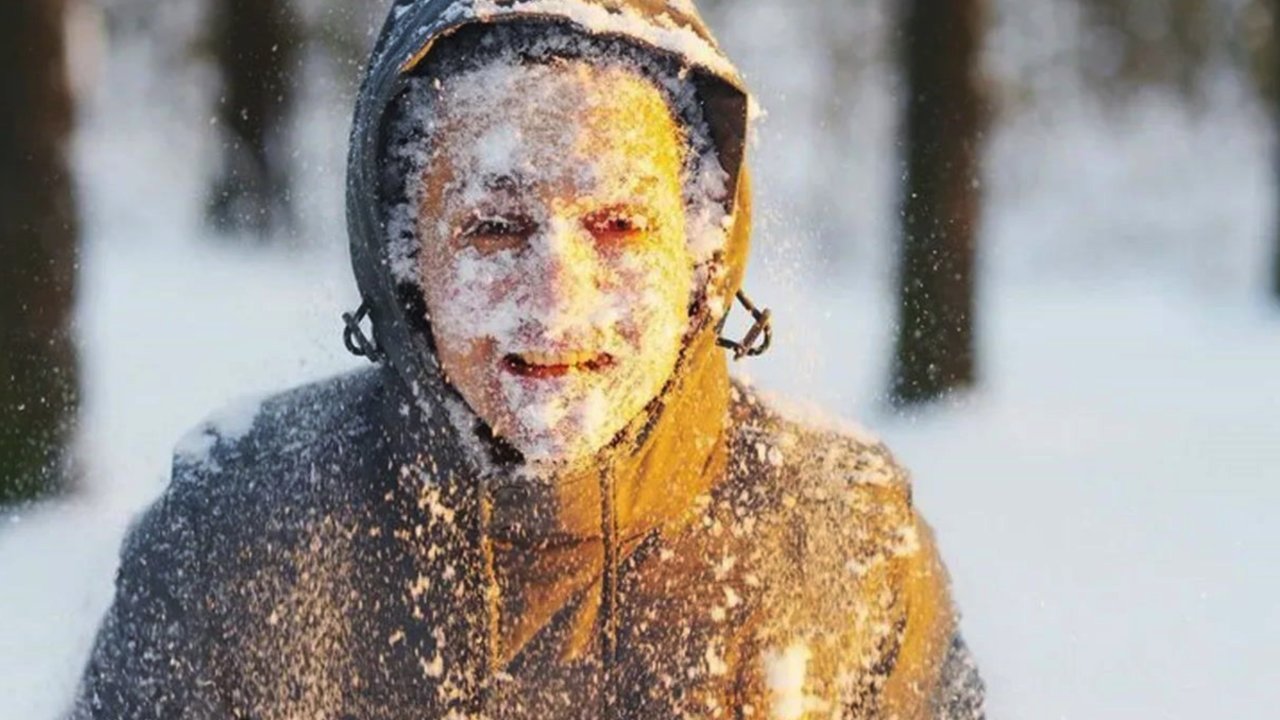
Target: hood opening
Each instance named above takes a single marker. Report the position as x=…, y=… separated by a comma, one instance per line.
x=693, y=100
x=411, y=33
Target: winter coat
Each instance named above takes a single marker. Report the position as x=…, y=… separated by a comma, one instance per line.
x=353, y=550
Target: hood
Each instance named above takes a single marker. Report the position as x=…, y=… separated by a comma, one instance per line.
x=649, y=478
x=412, y=28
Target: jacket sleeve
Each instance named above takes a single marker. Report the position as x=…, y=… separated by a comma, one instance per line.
x=960, y=694
x=932, y=674
x=151, y=659
x=858, y=622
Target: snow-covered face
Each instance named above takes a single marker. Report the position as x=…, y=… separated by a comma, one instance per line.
x=554, y=258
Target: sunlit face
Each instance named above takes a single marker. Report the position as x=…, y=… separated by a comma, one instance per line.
x=554, y=261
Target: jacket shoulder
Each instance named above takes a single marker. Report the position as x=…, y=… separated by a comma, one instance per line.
x=284, y=427
x=849, y=575
x=812, y=455
x=264, y=461
x=834, y=507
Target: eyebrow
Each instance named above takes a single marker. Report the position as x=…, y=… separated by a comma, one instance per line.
x=507, y=184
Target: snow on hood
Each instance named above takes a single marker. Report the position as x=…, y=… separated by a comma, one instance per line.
x=672, y=26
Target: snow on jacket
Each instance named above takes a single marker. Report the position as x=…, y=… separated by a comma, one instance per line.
x=353, y=550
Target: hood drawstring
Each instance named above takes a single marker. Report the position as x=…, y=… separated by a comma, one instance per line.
x=353, y=337
x=759, y=337
x=492, y=597
x=609, y=595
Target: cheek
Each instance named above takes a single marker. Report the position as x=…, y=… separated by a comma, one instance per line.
x=652, y=292
x=459, y=349
x=472, y=297
x=468, y=366
x=462, y=352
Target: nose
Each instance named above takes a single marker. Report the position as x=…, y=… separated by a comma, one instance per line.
x=569, y=271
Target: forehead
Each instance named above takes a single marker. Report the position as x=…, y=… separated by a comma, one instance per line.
x=535, y=120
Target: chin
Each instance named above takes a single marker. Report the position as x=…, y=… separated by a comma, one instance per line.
x=560, y=448
x=548, y=454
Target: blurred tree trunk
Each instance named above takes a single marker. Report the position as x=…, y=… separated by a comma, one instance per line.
x=38, y=255
x=1275, y=104
x=1275, y=268
x=941, y=46
x=255, y=46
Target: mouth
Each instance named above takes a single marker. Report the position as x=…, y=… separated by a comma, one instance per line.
x=539, y=365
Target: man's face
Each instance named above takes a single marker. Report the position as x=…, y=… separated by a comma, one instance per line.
x=554, y=261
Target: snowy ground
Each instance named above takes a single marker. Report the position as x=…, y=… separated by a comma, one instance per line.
x=1103, y=501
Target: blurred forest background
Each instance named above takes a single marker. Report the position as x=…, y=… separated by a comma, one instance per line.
x=1035, y=242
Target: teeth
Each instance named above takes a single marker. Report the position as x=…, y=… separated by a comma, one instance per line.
x=560, y=358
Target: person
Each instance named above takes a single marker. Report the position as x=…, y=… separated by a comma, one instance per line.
x=546, y=498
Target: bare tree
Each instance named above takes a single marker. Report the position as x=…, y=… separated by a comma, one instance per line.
x=935, y=355
x=38, y=255
x=255, y=45
x=1275, y=104
x=1275, y=269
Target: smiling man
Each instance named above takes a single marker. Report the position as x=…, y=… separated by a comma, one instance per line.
x=547, y=499
x=555, y=264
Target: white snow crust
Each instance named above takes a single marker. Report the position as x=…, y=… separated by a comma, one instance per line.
x=785, y=671
x=228, y=425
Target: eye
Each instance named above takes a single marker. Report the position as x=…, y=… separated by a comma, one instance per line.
x=618, y=224
x=495, y=233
